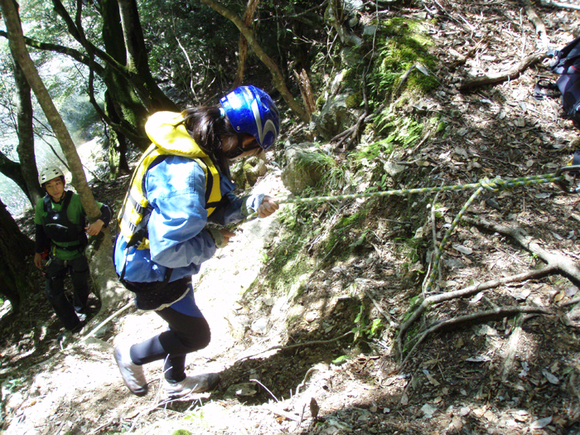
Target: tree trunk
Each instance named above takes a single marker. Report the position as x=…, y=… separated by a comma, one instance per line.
x=124, y=69
x=137, y=57
x=104, y=275
x=243, y=43
x=117, y=142
x=25, y=147
x=15, y=249
x=11, y=169
x=277, y=77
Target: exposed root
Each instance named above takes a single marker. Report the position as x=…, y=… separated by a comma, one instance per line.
x=510, y=74
x=474, y=318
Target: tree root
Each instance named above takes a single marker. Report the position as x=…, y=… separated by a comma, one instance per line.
x=564, y=265
x=555, y=263
x=292, y=346
x=538, y=24
x=467, y=291
x=473, y=318
x=510, y=74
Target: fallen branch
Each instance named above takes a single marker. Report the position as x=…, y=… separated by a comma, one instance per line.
x=510, y=74
x=351, y=131
x=560, y=4
x=538, y=24
x=107, y=320
x=380, y=309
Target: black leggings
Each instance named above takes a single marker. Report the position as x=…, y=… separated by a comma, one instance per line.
x=56, y=272
x=185, y=334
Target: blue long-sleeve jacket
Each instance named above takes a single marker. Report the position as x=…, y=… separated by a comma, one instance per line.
x=178, y=240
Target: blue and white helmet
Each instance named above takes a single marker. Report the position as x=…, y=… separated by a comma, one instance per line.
x=251, y=110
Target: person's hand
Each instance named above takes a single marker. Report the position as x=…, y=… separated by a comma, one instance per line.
x=227, y=236
x=95, y=228
x=267, y=207
x=38, y=260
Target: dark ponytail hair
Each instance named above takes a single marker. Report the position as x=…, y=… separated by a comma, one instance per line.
x=206, y=125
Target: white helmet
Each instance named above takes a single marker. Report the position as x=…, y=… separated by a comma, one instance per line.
x=48, y=174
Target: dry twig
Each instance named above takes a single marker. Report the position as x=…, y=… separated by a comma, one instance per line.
x=538, y=23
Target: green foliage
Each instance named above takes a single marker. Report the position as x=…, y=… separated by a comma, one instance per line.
x=403, y=131
x=341, y=359
x=315, y=161
x=10, y=385
x=361, y=239
x=342, y=233
x=366, y=328
x=376, y=150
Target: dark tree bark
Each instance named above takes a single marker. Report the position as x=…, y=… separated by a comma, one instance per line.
x=25, y=146
x=117, y=141
x=137, y=59
x=15, y=249
x=122, y=65
x=11, y=169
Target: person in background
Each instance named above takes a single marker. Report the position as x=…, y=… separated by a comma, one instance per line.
x=61, y=237
x=181, y=183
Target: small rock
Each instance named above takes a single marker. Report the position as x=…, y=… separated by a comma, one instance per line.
x=428, y=410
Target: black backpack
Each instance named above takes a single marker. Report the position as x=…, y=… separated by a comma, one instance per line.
x=566, y=62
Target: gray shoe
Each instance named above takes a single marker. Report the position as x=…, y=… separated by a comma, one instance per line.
x=132, y=373
x=192, y=384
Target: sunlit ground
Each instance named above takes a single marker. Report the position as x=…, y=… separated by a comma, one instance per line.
x=5, y=309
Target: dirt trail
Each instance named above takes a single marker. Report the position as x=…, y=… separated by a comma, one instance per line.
x=455, y=383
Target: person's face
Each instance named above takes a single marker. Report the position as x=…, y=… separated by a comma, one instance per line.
x=249, y=145
x=55, y=188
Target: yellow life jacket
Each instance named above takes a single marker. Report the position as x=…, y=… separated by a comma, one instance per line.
x=168, y=139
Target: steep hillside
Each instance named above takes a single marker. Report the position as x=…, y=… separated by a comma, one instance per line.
x=311, y=310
